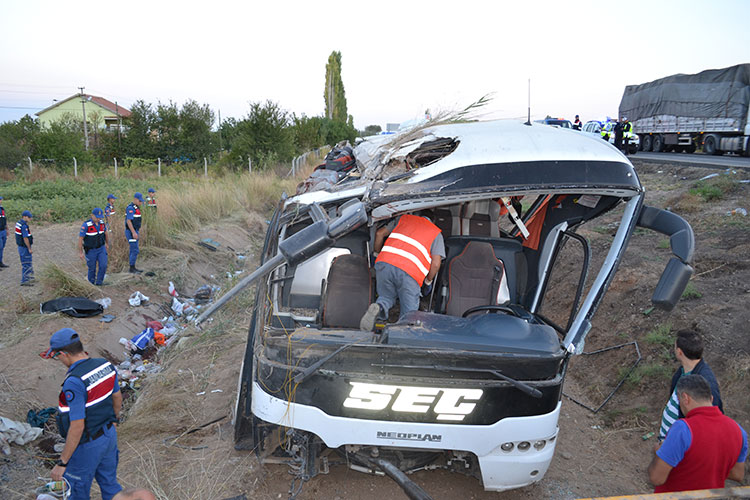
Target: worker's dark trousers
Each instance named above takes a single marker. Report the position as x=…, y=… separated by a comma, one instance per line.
x=27, y=271
x=625, y=145
x=93, y=257
x=133, y=244
x=3, y=239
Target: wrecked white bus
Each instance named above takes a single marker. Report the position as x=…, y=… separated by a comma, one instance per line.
x=471, y=382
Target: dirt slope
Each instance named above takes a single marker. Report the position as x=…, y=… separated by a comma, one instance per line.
x=597, y=454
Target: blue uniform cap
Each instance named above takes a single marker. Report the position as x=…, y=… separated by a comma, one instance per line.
x=111, y=197
x=26, y=213
x=60, y=339
x=138, y=196
x=151, y=190
x=98, y=212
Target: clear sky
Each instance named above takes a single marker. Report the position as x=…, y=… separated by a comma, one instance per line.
x=398, y=57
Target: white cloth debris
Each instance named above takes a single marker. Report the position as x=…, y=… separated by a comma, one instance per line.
x=105, y=302
x=16, y=432
x=137, y=298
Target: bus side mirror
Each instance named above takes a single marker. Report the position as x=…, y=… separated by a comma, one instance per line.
x=676, y=275
x=672, y=283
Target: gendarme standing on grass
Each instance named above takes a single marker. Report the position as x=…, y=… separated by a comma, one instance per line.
x=151, y=198
x=24, y=240
x=133, y=228
x=89, y=408
x=109, y=210
x=3, y=232
x=93, y=246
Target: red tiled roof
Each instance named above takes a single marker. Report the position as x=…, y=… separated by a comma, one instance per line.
x=115, y=108
x=105, y=103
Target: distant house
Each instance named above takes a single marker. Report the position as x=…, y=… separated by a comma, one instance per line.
x=99, y=111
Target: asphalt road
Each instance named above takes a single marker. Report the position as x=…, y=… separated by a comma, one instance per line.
x=723, y=161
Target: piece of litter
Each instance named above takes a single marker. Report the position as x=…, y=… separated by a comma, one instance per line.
x=107, y=318
x=200, y=393
x=709, y=176
x=648, y=436
x=217, y=390
x=105, y=302
x=137, y=298
x=648, y=311
x=172, y=290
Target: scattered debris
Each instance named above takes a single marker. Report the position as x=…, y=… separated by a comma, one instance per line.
x=39, y=418
x=172, y=291
x=137, y=299
x=738, y=211
x=16, y=432
x=107, y=318
x=210, y=244
x=77, y=307
x=648, y=436
x=105, y=302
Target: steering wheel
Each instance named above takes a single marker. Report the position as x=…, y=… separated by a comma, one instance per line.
x=492, y=308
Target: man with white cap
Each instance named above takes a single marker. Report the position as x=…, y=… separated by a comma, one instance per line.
x=93, y=246
x=89, y=407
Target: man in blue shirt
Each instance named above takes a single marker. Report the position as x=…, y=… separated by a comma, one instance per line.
x=93, y=246
x=109, y=210
x=133, y=228
x=3, y=232
x=24, y=240
x=89, y=409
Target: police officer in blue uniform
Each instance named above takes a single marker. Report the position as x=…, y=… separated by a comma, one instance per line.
x=109, y=210
x=132, y=228
x=89, y=407
x=93, y=246
x=24, y=240
x=3, y=232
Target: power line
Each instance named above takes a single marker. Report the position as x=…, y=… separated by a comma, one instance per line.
x=16, y=107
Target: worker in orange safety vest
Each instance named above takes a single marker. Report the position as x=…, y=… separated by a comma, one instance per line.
x=409, y=253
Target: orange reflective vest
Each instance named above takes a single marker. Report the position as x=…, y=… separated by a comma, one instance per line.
x=408, y=246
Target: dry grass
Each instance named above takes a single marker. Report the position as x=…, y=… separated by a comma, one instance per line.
x=63, y=284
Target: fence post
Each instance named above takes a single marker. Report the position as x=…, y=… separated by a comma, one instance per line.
x=205, y=167
x=158, y=162
x=31, y=166
x=115, y=167
x=75, y=167
x=249, y=165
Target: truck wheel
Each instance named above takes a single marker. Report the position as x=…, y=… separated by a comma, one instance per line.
x=647, y=142
x=658, y=144
x=709, y=146
x=632, y=149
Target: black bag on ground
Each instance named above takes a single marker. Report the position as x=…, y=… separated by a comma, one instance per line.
x=78, y=307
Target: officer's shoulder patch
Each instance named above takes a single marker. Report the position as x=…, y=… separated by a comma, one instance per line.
x=69, y=396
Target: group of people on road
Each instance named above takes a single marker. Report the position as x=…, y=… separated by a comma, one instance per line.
x=93, y=238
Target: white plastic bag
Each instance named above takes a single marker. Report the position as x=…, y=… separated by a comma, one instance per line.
x=137, y=298
x=105, y=302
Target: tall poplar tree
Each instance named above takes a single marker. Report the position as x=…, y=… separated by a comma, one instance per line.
x=334, y=94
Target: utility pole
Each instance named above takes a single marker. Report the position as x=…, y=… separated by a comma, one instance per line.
x=220, y=148
x=85, y=127
x=119, y=127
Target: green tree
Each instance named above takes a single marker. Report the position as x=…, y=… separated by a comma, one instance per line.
x=16, y=141
x=334, y=95
x=137, y=139
x=195, y=138
x=167, y=126
x=372, y=130
x=264, y=135
x=308, y=133
x=61, y=141
x=335, y=131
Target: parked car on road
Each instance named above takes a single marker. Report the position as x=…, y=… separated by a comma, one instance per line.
x=596, y=127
